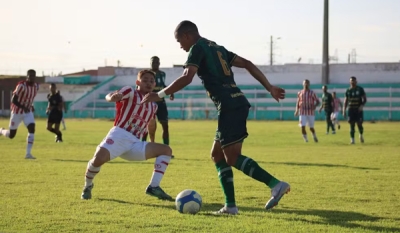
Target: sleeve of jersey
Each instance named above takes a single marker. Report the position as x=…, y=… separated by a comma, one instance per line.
x=126, y=92
x=18, y=89
x=196, y=55
x=231, y=57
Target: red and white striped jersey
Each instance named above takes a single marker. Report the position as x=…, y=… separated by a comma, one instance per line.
x=307, y=100
x=26, y=94
x=336, y=105
x=131, y=115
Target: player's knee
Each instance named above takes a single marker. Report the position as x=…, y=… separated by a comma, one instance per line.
x=167, y=150
x=31, y=128
x=100, y=157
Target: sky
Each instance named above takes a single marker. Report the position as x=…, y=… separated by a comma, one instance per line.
x=55, y=36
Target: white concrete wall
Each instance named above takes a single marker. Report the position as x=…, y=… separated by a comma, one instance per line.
x=296, y=73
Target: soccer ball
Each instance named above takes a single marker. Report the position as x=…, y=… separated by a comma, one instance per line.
x=188, y=202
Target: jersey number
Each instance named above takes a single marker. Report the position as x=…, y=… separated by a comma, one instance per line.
x=225, y=67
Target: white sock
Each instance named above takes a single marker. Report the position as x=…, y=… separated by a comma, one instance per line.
x=5, y=132
x=91, y=172
x=160, y=165
x=29, y=143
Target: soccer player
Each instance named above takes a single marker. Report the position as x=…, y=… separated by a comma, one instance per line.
x=54, y=112
x=21, y=110
x=307, y=102
x=64, y=108
x=355, y=99
x=123, y=140
x=212, y=63
x=337, y=108
x=327, y=105
x=162, y=111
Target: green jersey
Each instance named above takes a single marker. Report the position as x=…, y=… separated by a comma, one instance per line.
x=354, y=96
x=327, y=102
x=160, y=81
x=214, y=64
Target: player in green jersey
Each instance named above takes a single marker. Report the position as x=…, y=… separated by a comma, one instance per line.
x=213, y=63
x=162, y=111
x=355, y=99
x=327, y=105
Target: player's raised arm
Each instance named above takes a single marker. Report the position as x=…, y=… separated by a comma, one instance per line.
x=276, y=92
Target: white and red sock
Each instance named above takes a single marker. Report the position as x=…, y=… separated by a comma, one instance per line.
x=5, y=132
x=160, y=165
x=91, y=172
x=29, y=143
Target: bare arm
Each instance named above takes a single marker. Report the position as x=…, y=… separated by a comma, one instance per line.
x=253, y=70
x=181, y=82
x=364, y=99
x=15, y=101
x=113, y=96
x=345, y=104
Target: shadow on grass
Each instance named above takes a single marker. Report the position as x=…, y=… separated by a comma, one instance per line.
x=111, y=162
x=319, y=165
x=345, y=219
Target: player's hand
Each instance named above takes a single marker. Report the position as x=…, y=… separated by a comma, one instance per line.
x=172, y=97
x=344, y=113
x=26, y=109
x=151, y=97
x=296, y=113
x=360, y=108
x=277, y=93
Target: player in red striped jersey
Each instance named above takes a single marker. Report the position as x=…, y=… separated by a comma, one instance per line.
x=123, y=140
x=22, y=110
x=337, y=108
x=307, y=102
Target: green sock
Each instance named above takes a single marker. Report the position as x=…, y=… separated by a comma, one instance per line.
x=352, y=130
x=328, y=126
x=251, y=168
x=332, y=125
x=166, y=141
x=144, y=138
x=360, y=129
x=225, y=175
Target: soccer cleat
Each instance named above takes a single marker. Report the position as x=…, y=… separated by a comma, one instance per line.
x=315, y=139
x=333, y=132
x=158, y=192
x=87, y=192
x=352, y=141
x=29, y=156
x=277, y=193
x=227, y=210
x=172, y=156
x=338, y=126
x=361, y=138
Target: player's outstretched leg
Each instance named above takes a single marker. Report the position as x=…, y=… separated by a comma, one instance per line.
x=29, y=141
x=162, y=154
x=101, y=156
x=251, y=168
x=225, y=175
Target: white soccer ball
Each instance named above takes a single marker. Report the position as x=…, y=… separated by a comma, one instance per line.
x=188, y=202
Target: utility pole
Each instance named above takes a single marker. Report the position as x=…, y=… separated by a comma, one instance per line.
x=271, y=49
x=325, y=45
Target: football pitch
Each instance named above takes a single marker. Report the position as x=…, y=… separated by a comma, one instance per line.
x=335, y=187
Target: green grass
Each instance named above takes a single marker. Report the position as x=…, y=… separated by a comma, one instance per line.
x=336, y=187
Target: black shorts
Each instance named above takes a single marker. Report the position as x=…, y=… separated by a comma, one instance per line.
x=162, y=112
x=232, y=126
x=354, y=115
x=328, y=115
x=55, y=117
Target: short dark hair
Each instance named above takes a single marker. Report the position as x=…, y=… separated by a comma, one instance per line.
x=325, y=86
x=53, y=84
x=31, y=71
x=353, y=77
x=186, y=27
x=334, y=92
x=154, y=57
x=143, y=72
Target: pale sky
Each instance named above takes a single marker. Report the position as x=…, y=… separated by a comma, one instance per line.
x=69, y=35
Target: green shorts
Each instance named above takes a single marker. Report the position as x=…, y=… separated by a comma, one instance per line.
x=232, y=126
x=162, y=112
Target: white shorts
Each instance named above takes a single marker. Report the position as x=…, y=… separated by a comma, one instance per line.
x=306, y=120
x=121, y=143
x=335, y=115
x=16, y=119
